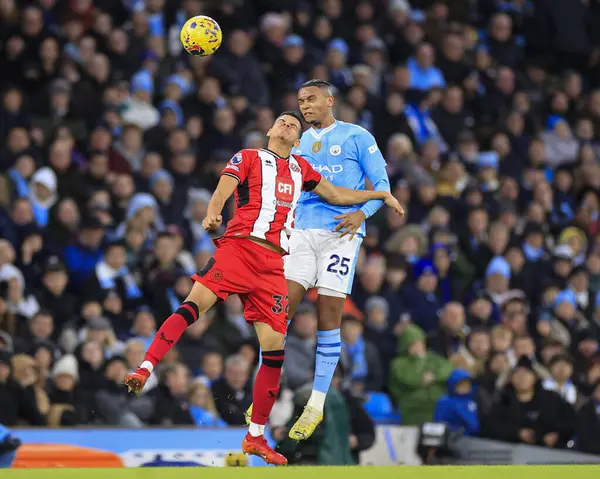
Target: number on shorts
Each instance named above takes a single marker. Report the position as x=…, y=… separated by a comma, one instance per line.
x=336, y=261
x=278, y=307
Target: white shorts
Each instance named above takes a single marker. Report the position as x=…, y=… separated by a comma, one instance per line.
x=321, y=259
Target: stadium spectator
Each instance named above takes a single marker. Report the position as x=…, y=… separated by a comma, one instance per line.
x=417, y=377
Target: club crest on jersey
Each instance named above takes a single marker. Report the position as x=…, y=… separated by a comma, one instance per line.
x=335, y=150
x=317, y=146
x=236, y=160
x=294, y=167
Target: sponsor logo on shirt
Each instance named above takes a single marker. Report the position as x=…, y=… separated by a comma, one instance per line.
x=373, y=149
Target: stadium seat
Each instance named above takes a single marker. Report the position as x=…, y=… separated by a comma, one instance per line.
x=379, y=406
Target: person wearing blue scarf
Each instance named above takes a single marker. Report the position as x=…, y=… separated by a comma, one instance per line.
x=42, y=194
x=533, y=242
x=359, y=354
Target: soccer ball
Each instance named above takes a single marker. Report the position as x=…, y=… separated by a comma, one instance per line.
x=201, y=36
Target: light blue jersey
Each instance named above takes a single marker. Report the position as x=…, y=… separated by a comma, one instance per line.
x=345, y=154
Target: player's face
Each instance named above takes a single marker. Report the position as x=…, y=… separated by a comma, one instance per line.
x=286, y=128
x=315, y=104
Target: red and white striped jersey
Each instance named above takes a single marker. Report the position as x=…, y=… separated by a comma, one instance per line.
x=267, y=194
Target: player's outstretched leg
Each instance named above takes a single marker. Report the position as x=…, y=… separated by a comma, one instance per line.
x=198, y=302
x=329, y=348
x=266, y=388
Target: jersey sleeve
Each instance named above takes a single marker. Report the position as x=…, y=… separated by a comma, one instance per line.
x=310, y=178
x=373, y=164
x=239, y=166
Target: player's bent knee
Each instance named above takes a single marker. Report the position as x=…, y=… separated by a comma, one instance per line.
x=202, y=297
x=268, y=338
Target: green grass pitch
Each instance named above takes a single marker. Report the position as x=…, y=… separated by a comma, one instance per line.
x=399, y=472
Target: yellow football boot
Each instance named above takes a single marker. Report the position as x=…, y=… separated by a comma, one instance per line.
x=306, y=424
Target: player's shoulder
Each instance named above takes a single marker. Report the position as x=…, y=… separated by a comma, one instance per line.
x=248, y=154
x=299, y=159
x=355, y=130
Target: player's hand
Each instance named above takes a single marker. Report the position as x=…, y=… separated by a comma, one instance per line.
x=392, y=202
x=350, y=223
x=212, y=222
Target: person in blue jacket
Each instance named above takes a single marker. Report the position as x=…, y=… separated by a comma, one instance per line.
x=458, y=409
x=8, y=447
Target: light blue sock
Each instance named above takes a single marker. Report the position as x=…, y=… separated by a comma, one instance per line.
x=329, y=348
x=260, y=349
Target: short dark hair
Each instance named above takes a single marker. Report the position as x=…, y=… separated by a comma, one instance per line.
x=316, y=82
x=297, y=116
x=322, y=84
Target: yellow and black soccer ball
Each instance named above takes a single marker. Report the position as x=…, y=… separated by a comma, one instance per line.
x=201, y=36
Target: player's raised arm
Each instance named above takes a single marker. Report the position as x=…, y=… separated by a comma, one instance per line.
x=338, y=195
x=234, y=173
x=373, y=164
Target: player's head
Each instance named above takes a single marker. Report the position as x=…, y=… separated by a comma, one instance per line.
x=315, y=100
x=287, y=128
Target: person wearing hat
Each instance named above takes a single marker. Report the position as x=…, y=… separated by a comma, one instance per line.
x=422, y=301
x=53, y=293
x=139, y=110
x=497, y=278
x=527, y=413
x=560, y=381
x=67, y=406
x=586, y=349
x=562, y=265
x=487, y=173
x=459, y=409
x=82, y=256
x=417, y=377
x=340, y=75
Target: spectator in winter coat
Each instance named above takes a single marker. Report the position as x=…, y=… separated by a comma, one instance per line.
x=233, y=392
x=529, y=414
x=365, y=362
x=417, y=377
x=300, y=348
x=18, y=403
x=587, y=430
x=423, y=302
x=458, y=409
x=170, y=401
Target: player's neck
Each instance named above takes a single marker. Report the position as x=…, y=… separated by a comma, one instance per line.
x=330, y=120
x=281, y=150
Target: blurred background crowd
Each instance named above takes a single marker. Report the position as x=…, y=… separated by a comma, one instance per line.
x=479, y=309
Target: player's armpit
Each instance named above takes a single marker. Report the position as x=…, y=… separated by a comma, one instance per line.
x=337, y=195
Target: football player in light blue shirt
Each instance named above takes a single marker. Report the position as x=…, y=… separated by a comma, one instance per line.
x=326, y=239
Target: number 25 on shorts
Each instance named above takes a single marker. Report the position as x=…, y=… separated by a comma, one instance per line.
x=339, y=265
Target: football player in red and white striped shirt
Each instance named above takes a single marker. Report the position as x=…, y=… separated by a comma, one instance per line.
x=248, y=261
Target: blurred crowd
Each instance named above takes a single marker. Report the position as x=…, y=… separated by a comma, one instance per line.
x=479, y=309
